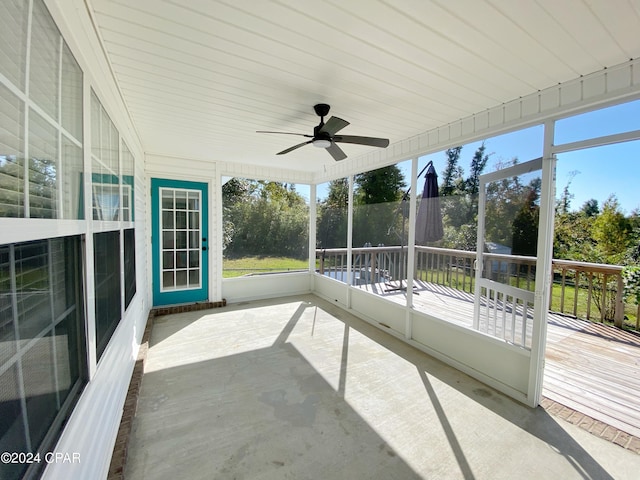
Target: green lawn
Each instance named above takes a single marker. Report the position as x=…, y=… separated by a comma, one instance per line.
x=237, y=267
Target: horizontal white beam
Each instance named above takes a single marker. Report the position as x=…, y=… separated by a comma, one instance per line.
x=605, y=87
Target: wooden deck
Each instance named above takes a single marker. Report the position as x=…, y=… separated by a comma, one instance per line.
x=589, y=367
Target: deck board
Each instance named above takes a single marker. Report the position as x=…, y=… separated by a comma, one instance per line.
x=589, y=367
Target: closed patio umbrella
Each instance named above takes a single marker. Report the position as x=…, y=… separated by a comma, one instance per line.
x=429, y=219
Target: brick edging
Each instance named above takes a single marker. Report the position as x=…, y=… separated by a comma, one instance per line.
x=120, y=449
x=591, y=425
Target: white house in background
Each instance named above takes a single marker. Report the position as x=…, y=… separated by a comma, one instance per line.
x=118, y=116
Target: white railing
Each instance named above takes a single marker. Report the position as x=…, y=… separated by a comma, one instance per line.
x=583, y=290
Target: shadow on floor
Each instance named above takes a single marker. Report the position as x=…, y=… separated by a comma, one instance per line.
x=269, y=413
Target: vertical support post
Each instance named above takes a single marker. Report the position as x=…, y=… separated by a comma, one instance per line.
x=479, y=253
x=312, y=235
x=543, y=269
x=619, y=313
x=411, y=247
x=350, y=242
x=87, y=251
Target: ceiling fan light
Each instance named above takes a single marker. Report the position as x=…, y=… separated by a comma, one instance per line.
x=321, y=143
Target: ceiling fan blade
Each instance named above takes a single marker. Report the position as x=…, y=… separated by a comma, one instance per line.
x=372, y=141
x=333, y=125
x=336, y=152
x=291, y=149
x=286, y=133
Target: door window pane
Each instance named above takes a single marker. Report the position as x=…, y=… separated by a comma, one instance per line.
x=181, y=219
x=181, y=259
x=168, y=240
x=181, y=278
x=168, y=259
x=167, y=280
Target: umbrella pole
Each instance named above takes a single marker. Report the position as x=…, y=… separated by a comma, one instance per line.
x=404, y=218
x=403, y=210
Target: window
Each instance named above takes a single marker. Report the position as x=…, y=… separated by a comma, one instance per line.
x=129, y=265
x=41, y=179
x=380, y=228
x=598, y=123
x=128, y=170
x=266, y=227
x=41, y=344
x=12, y=120
x=106, y=248
x=181, y=258
x=105, y=164
x=331, y=228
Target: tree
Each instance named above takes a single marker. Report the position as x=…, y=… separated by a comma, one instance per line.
x=452, y=174
x=611, y=231
x=459, y=199
x=572, y=237
x=376, y=218
x=525, y=224
x=478, y=163
x=564, y=202
x=234, y=191
x=472, y=183
x=338, y=195
x=382, y=185
x=264, y=218
x=590, y=208
x=332, y=216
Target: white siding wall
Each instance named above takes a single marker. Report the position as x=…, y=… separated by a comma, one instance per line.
x=93, y=425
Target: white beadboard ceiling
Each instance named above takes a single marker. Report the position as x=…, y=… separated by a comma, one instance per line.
x=199, y=77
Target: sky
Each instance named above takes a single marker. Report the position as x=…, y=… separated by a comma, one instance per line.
x=594, y=173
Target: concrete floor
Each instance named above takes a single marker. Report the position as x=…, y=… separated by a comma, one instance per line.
x=298, y=388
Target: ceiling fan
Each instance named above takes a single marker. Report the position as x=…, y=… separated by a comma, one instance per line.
x=324, y=135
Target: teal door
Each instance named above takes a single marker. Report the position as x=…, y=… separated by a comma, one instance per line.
x=179, y=241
